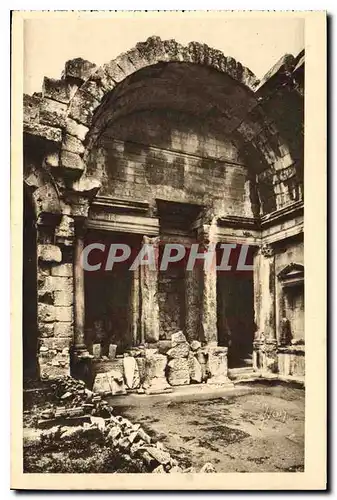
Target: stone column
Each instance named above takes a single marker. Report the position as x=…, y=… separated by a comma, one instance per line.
x=149, y=297
x=192, y=304
x=217, y=366
x=208, y=310
x=265, y=344
x=135, y=310
x=79, y=310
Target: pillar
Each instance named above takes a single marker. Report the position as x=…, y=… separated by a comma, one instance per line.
x=81, y=360
x=208, y=310
x=79, y=307
x=216, y=356
x=265, y=343
x=55, y=296
x=149, y=321
x=135, y=308
x=192, y=304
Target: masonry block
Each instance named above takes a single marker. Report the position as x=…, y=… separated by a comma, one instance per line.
x=63, y=298
x=31, y=108
x=49, y=253
x=76, y=129
x=64, y=329
x=45, y=313
x=46, y=330
x=52, y=113
x=55, y=343
x=53, y=134
x=79, y=68
x=82, y=107
x=58, y=90
x=63, y=313
x=62, y=270
x=72, y=144
x=72, y=162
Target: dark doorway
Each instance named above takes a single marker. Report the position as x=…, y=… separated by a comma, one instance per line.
x=235, y=306
x=111, y=296
x=29, y=293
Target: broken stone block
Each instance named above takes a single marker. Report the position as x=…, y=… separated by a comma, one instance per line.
x=72, y=144
x=76, y=129
x=196, y=374
x=71, y=432
x=99, y=422
x=217, y=366
x=160, y=456
x=115, y=432
x=177, y=338
x=131, y=373
x=58, y=90
x=102, y=384
x=176, y=469
x=96, y=351
x=178, y=371
x=159, y=470
x=49, y=253
x=46, y=313
x=72, y=161
x=124, y=443
x=117, y=382
x=79, y=68
x=202, y=358
x=46, y=329
x=143, y=436
x=150, y=351
x=31, y=107
x=53, y=134
x=141, y=363
x=112, y=351
x=195, y=345
x=208, y=467
x=164, y=346
x=179, y=351
x=155, y=381
x=52, y=113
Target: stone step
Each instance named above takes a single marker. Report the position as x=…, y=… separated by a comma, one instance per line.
x=243, y=373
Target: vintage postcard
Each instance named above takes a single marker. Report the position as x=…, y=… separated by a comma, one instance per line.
x=169, y=249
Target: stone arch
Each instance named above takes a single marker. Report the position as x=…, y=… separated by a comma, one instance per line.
x=66, y=110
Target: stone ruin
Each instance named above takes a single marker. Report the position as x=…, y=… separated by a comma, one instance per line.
x=157, y=368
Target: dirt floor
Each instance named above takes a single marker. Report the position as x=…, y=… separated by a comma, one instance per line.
x=258, y=431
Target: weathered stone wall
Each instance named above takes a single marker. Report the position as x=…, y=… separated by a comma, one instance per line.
x=176, y=158
x=171, y=297
x=55, y=311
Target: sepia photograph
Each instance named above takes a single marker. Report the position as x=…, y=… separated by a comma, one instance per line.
x=164, y=316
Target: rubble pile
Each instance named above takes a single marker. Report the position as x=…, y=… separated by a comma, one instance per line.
x=76, y=412
x=156, y=368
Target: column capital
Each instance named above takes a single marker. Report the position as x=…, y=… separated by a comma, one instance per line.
x=267, y=250
x=151, y=240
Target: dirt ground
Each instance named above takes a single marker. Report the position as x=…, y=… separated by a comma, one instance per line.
x=259, y=431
